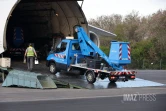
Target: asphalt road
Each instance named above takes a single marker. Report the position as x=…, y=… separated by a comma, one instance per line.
x=108, y=99
x=152, y=75
x=144, y=78
x=91, y=104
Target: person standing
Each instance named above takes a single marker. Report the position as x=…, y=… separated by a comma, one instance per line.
x=30, y=53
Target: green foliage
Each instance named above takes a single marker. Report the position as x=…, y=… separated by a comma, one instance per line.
x=105, y=49
x=147, y=36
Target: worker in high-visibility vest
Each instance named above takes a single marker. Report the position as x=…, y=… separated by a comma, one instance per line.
x=30, y=53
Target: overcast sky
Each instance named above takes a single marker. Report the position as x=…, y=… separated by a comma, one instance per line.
x=94, y=8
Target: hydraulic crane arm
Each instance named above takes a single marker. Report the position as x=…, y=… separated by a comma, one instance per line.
x=88, y=48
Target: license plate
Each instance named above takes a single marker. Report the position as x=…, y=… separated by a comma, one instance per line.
x=122, y=77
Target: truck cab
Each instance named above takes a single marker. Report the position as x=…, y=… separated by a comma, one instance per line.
x=63, y=55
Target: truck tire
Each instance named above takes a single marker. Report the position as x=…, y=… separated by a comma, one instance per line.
x=90, y=77
x=113, y=81
x=52, y=68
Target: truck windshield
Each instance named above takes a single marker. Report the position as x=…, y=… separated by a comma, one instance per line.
x=61, y=47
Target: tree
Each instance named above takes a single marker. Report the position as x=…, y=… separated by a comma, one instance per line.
x=147, y=35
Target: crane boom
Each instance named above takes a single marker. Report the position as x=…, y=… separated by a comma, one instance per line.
x=89, y=48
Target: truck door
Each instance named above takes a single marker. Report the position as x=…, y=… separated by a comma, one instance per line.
x=61, y=55
x=74, y=49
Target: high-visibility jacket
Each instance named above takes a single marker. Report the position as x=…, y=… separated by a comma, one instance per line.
x=30, y=51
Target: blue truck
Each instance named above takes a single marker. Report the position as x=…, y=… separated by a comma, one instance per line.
x=83, y=56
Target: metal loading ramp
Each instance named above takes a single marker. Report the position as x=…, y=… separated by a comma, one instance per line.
x=28, y=79
x=64, y=84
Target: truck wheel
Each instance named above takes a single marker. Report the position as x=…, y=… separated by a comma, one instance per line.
x=90, y=77
x=52, y=68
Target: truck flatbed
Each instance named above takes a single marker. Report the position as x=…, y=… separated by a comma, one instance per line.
x=113, y=76
x=84, y=66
